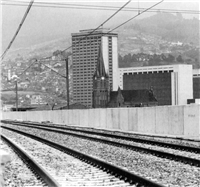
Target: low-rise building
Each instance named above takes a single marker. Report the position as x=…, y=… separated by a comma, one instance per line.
x=172, y=84
x=196, y=83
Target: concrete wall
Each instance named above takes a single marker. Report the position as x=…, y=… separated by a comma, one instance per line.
x=165, y=120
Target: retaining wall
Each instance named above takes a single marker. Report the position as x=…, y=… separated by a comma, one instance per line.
x=166, y=120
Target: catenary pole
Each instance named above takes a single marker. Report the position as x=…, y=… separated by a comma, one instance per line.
x=67, y=82
x=16, y=87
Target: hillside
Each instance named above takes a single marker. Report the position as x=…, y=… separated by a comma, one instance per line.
x=161, y=34
x=169, y=27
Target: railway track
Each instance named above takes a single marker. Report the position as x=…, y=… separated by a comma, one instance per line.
x=112, y=141
x=165, y=171
x=110, y=134
x=99, y=170
x=43, y=178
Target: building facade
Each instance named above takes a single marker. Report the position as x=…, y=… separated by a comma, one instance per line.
x=172, y=84
x=85, y=46
x=196, y=83
x=102, y=97
x=132, y=98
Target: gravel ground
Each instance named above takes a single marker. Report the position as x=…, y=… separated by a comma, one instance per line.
x=17, y=174
x=67, y=170
x=168, y=150
x=162, y=139
x=161, y=170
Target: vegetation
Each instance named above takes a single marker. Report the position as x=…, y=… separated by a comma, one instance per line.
x=169, y=27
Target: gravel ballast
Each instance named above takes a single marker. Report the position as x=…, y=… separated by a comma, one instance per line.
x=164, y=171
x=159, y=148
x=16, y=172
x=65, y=169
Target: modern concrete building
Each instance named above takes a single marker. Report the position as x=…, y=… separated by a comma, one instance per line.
x=196, y=83
x=172, y=84
x=84, y=56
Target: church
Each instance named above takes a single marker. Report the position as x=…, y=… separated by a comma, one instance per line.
x=103, y=97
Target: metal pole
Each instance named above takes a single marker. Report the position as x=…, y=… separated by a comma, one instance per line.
x=67, y=82
x=16, y=86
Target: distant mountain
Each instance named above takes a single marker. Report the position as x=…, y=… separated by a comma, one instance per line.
x=40, y=50
x=169, y=27
x=150, y=35
x=160, y=34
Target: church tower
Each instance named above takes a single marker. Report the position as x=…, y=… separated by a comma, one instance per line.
x=101, y=90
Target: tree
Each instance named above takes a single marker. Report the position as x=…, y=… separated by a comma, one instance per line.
x=127, y=58
x=120, y=60
x=179, y=59
x=170, y=58
x=52, y=100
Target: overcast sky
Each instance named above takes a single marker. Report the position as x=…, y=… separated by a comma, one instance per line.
x=50, y=23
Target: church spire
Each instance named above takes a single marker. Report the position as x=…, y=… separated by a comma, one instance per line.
x=100, y=68
x=101, y=86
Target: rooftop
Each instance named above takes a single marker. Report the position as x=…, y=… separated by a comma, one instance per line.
x=155, y=68
x=98, y=31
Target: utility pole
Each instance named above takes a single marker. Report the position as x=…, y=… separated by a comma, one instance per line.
x=16, y=87
x=15, y=78
x=67, y=82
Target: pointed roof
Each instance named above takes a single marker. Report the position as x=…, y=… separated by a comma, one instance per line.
x=100, y=68
x=135, y=96
x=119, y=91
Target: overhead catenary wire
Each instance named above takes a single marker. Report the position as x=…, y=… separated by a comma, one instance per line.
x=107, y=32
x=112, y=7
x=45, y=58
x=42, y=60
x=32, y=63
x=134, y=16
x=126, y=21
x=101, y=24
x=94, y=7
x=52, y=70
x=118, y=25
x=95, y=28
x=139, y=13
x=115, y=27
x=18, y=29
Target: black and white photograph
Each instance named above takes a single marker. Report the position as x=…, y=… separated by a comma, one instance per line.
x=100, y=93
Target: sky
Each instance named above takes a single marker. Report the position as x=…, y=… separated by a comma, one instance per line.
x=45, y=24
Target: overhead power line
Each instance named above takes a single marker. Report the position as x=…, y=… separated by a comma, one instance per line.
x=42, y=60
x=94, y=7
x=125, y=21
x=135, y=16
x=103, y=33
x=18, y=29
x=32, y=63
x=96, y=28
x=102, y=23
x=115, y=27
